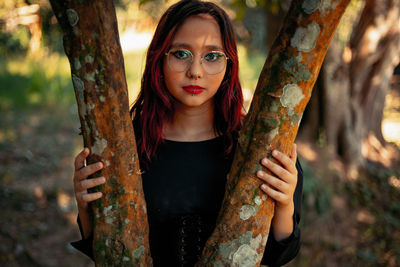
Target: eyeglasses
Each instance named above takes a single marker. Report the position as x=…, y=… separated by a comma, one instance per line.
x=212, y=62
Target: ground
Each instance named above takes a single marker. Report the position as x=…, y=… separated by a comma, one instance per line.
x=36, y=195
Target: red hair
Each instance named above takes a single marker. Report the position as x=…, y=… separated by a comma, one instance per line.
x=154, y=104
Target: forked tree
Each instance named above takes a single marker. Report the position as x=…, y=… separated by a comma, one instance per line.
x=91, y=42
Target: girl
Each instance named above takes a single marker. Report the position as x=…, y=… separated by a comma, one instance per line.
x=186, y=120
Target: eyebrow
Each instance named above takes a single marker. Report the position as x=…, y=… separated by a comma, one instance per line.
x=188, y=46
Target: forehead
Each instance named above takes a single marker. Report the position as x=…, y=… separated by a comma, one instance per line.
x=199, y=31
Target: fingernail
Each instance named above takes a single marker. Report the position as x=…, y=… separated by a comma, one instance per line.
x=264, y=186
x=103, y=179
x=266, y=161
x=275, y=153
x=99, y=164
x=260, y=174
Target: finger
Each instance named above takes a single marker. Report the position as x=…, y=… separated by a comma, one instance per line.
x=288, y=163
x=293, y=154
x=277, y=183
x=90, y=183
x=80, y=159
x=277, y=169
x=89, y=197
x=89, y=170
x=276, y=195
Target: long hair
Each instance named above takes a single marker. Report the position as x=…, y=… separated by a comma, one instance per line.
x=154, y=104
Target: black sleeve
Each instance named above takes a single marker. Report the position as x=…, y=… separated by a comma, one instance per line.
x=84, y=245
x=278, y=253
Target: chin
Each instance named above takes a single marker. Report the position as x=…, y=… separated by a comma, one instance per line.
x=195, y=101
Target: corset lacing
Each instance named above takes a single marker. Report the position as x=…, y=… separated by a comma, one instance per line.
x=190, y=239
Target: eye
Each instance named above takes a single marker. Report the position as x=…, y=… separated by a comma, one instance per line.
x=182, y=54
x=213, y=56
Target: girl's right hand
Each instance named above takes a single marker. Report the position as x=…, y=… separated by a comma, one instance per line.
x=82, y=184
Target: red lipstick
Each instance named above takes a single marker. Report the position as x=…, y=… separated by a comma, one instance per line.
x=193, y=89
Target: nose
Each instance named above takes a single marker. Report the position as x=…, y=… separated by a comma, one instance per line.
x=195, y=70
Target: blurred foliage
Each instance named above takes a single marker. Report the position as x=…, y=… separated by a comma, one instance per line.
x=16, y=42
x=27, y=82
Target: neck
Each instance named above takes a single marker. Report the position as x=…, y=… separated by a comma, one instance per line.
x=191, y=123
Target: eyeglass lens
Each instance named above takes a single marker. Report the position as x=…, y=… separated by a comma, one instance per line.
x=180, y=60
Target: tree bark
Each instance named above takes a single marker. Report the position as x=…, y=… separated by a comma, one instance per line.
x=92, y=45
x=282, y=93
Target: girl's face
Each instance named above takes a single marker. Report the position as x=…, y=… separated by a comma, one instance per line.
x=192, y=83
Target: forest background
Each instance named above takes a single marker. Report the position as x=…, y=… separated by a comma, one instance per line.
x=349, y=141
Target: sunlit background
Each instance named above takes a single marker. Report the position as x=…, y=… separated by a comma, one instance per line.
x=350, y=209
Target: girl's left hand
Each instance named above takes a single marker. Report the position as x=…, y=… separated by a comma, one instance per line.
x=281, y=185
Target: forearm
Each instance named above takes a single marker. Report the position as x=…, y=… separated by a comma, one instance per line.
x=282, y=222
x=86, y=224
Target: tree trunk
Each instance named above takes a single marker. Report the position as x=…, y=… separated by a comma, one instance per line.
x=357, y=82
x=282, y=93
x=284, y=88
x=92, y=45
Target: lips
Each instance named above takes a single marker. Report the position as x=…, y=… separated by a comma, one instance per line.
x=193, y=89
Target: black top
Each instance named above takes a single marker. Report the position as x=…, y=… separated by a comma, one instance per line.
x=184, y=188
